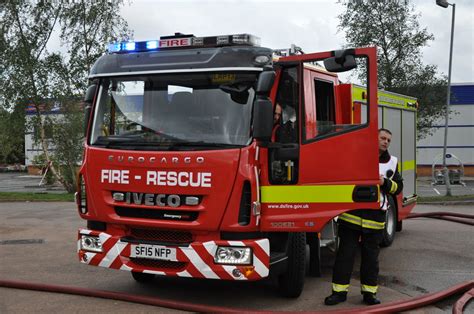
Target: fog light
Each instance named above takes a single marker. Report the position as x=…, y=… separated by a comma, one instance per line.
x=233, y=255
x=91, y=243
x=236, y=273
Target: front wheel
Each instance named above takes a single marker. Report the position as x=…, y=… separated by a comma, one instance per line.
x=314, y=254
x=390, y=224
x=291, y=282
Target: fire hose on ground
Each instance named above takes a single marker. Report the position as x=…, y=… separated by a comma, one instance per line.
x=467, y=288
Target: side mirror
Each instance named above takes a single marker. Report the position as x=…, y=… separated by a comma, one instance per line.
x=262, y=119
x=265, y=82
x=343, y=60
x=88, y=100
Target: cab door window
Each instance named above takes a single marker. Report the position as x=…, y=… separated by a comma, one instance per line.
x=325, y=107
x=328, y=108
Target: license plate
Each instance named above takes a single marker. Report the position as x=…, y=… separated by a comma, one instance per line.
x=153, y=252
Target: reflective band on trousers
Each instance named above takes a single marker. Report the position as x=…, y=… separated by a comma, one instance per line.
x=394, y=187
x=364, y=223
x=366, y=288
x=339, y=288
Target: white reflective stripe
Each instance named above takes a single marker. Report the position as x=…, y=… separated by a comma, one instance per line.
x=78, y=245
x=260, y=268
x=202, y=267
x=371, y=289
x=383, y=168
x=183, y=274
x=85, y=231
x=265, y=245
x=104, y=237
x=112, y=254
x=125, y=267
x=211, y=247
x=177, y=71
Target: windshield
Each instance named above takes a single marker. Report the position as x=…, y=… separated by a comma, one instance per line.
x=164, y=111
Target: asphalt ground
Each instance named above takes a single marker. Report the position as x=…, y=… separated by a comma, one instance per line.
x=23, y=182
x=38, y=244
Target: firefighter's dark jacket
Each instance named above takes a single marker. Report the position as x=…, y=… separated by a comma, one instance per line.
x=369, y=220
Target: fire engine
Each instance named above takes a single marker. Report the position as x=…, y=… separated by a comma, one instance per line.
x=188, y=172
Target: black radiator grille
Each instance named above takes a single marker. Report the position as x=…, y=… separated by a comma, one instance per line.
x=136, y=212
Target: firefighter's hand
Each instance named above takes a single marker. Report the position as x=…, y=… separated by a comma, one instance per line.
x=382, y=179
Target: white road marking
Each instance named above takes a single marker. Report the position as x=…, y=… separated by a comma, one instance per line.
x=436, y=191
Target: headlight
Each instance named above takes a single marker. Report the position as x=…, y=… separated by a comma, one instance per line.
x=233, y=255
x=91, y=243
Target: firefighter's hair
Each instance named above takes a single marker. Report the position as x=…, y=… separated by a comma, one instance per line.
x=385, y=130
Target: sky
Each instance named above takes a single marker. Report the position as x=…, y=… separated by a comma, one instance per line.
x=311, y=25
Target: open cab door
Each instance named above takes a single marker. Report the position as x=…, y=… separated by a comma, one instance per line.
x=323, y=157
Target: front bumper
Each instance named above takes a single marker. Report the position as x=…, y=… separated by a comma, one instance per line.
x=194, y=260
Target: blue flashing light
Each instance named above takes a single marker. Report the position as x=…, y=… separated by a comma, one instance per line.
x=114, y=47
x=130, y=46
x=152, y=44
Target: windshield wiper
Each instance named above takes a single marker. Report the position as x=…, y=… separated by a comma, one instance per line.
x=207, y=144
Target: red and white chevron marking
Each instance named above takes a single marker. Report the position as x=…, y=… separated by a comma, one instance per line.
x=197, y=258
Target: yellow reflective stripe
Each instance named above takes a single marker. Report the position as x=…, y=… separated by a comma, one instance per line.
x=370, y=224
x=339, y=288
x=307, y=194
x=394, y=187
x=408, y=165
x=351, y=218
x=366, y=288
x=364, y=223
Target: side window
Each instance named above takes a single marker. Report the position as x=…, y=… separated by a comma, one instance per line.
x=331, y=108
x=325, y=107
x=286, y=123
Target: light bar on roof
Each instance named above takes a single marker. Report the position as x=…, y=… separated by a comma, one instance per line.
x=184, y=41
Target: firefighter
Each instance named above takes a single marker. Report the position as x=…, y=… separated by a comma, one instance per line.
x=365, y=226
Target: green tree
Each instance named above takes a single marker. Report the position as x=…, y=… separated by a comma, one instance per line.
x=12, y=130
x=30, y=74
x=392, y=26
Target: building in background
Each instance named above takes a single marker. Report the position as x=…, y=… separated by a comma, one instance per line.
x=33, y=150
x=460, y=135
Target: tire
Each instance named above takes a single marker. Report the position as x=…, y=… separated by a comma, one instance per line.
x=390, y=224
x=291, y=282
x=143, y=277
x=400, y=225
x=314, y=254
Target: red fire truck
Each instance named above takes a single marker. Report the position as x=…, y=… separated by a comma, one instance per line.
x=187, y=171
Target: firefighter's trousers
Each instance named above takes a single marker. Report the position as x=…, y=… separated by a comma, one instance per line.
x=369, y=266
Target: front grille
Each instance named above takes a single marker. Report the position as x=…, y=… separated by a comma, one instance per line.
x=158, y=264
x=169, y=236
x=137, y=212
